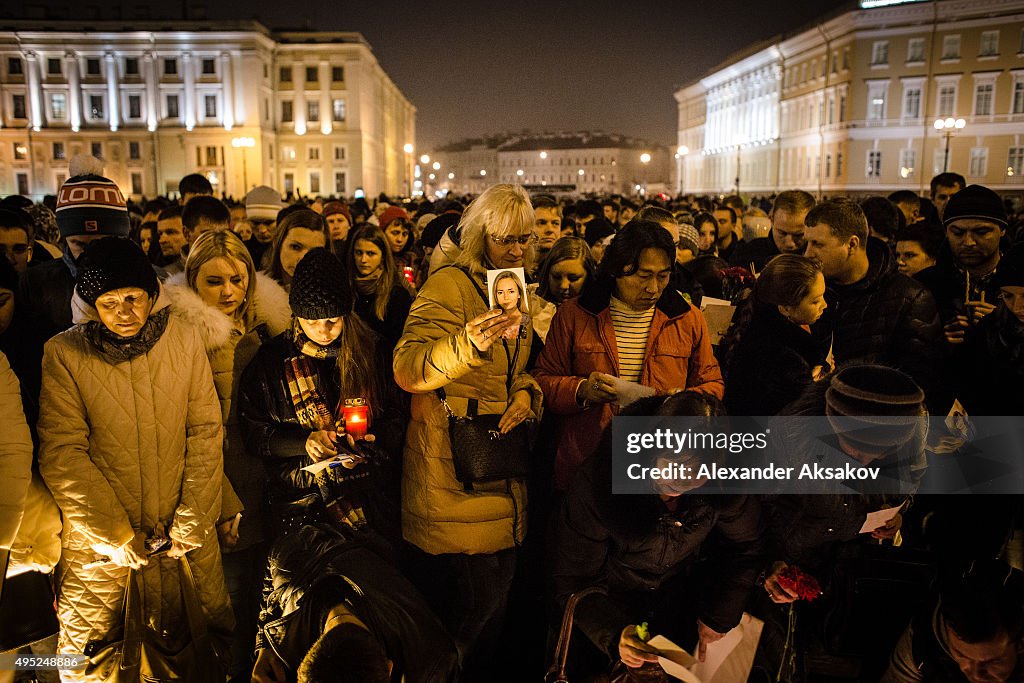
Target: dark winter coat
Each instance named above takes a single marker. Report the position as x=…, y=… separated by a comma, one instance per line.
x=631, y=544
x=390, y=328
x=273, y=432
x=770, y=366
x=885, y=318
x=989, y=366
x=314, y=569
x=758, y=251
x=948, y=284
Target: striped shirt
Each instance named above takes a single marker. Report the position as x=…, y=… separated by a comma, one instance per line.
x=632, y=328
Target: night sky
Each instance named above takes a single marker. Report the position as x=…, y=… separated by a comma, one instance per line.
x=474, y=67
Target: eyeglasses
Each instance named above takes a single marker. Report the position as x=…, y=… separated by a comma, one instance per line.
x=521, y=240
x=16, y=249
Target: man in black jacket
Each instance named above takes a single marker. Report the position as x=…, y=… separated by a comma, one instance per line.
x=874, y=314
x=337, y=609
x=787, y=234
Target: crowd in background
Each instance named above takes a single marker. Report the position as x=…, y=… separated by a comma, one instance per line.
x=246, y=412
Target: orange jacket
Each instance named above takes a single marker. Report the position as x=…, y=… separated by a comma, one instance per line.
x=582, y=340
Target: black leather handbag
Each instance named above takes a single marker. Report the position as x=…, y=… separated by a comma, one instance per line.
x=481, y=453
x=26, y=607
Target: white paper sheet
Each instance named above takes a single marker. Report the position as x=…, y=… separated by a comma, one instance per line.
x=727, y=660
x=318, y=467
x=628, y=392
x=878, y=518
x=674, y=660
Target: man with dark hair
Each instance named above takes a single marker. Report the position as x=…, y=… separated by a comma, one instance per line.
x=171, y=238
x=586, y=211
x=973, y=634
x=874, y=314
x=962, y=281
x=548, y=227
x=193, y=185
x=204, y=213
x=917, y=248
x=627, y=209
x=944, y=186
x=909, y=203
x=329, y=599
x=883, y=217
x=611, y=211
x=787, y=233
x=682, y=280
x=727, y=239
x=16, y=238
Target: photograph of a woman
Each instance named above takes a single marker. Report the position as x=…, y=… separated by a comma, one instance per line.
x=508, y=293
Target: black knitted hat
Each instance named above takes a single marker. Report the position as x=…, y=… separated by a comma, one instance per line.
x=975, y=201
x=874, y=405
x=114, y=263
x=319, y=287
x=435, y=229
x=1010, y=271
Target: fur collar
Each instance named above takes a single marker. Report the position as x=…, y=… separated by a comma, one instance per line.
x=269, y=307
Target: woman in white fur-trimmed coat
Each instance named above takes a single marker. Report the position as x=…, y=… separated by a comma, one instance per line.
x=234, y=309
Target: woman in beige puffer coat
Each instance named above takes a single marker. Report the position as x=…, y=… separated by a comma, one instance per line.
x=130, y=445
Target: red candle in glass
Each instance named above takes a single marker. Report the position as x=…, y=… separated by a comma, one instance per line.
x=407, y=271
x=356, y=414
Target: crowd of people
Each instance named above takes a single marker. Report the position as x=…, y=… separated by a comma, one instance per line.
x=316, y=443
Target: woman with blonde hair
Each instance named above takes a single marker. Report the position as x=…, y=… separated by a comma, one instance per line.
x=234, y=309
x=454, y=346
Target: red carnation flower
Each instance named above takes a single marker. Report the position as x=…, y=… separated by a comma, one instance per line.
x=795, y=580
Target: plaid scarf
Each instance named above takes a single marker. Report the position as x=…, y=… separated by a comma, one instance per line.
x=310, y=408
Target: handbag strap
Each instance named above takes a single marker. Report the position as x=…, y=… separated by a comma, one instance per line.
x=197, y=622
x=131, y=654
x=557, y=669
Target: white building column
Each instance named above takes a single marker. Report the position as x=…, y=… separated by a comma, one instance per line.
x=112, y=92
x=190, y=91
x=326, y=111
x=74, y=90
x=35, y=90
x=299, y=101
x=228, y=90
x=152, y=102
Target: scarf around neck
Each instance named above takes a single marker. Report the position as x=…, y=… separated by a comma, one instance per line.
x=311, y=409
x=308, y=347
x=119, y=348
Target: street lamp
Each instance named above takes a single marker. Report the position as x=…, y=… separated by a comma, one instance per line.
x=244, y=143
x=681, y=151
x=645, y=159
x=425, y=159
x=947, y=127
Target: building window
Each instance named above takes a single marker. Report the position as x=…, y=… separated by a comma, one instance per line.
x=211, y=155
x=314, y=182
x=1015, y=161
x=96, y=149
x=839, y=165
x=880, y=53
x=915, y=50
x=135, y=106
x=18, y=106
x=53, y=66
x=134, y=151
x=338, y=110
x=58, y=151
x=311, y=74
x=92, y=67
x=313, y=153
x=286, y=112
x=983, y=99
x=289, y=184
x=209, y=67
x=912, y=102
x=58, y=106
x=20, y=151
x=96, y=110
x=170, y=67
x=874, y=169
x=172, y=106
x=951, y=47
x=989, y=44
x=908, y=163
x=312, y=111
x=22, y=181
x=842, y=107
x=947, y=98
x=337, y=74
x=1018, y=97
x=339, y=182
x=136, y=183
x=288, y=153
x=979, y=162
x=876, y=101
x=14, y=66
x=131, y=66
x=339, y=153
x=60, y=178
x=210, y=106
x=285, y=74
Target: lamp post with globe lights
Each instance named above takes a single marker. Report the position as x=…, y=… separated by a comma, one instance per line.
x=948, y=127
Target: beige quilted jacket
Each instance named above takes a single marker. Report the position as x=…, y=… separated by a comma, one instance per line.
x=15, y=454
x=128, y=446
